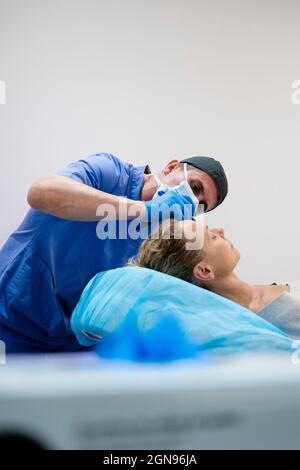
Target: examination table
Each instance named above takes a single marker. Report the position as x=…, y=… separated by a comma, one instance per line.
x=79, y=401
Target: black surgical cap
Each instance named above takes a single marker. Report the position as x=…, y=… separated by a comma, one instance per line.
x=215, y=170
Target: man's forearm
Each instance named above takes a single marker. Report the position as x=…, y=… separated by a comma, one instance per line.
x=71, y=200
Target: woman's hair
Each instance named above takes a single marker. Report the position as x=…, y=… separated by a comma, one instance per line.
x=166, y=252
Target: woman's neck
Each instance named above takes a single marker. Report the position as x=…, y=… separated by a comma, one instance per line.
x=253, y=297
x=234, y=289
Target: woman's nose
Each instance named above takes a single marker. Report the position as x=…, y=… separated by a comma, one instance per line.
x=219, y=231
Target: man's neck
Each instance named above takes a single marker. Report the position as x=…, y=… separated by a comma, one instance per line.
x=149, y=188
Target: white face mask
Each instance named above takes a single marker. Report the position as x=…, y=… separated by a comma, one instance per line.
x=183, y=188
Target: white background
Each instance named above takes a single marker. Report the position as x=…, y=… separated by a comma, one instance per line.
x=155, y=80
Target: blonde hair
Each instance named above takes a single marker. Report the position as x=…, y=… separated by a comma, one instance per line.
x=165, y=251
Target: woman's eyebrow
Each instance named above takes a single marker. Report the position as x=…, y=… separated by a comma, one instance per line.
x=207, y=232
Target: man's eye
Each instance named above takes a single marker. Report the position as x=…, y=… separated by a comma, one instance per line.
x=196, y=189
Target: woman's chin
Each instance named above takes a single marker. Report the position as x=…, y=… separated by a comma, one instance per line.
x=238, y=254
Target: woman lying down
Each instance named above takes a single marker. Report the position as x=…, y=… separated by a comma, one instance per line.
x=212, y=266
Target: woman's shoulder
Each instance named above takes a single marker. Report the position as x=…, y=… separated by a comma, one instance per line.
x=284, y=312
x=266, y=294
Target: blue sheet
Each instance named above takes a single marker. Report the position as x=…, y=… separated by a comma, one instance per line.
x=212, y=322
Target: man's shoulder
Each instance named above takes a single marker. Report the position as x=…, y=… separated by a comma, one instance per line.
x=105, y=157
x=112, y=159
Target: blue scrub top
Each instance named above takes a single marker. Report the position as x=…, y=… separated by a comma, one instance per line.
x=46, y=263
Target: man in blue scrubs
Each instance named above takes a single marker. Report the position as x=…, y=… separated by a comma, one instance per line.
x=46, y=263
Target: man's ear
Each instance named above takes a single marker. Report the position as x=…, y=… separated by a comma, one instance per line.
x=172, y=165
x=203, y=272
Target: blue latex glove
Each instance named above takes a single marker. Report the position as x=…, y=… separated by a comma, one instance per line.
x=182, y=206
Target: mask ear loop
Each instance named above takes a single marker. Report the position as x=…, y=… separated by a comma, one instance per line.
x=157, y=179
x=199, y=211
x=185, y=171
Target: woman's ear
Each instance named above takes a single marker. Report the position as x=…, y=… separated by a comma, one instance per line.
x=203, y=272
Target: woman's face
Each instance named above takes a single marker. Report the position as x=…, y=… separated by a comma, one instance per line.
x=218, y=255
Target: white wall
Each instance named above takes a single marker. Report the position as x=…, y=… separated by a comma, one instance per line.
x=153, y=80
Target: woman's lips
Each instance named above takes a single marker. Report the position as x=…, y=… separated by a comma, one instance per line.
x=230, y=243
